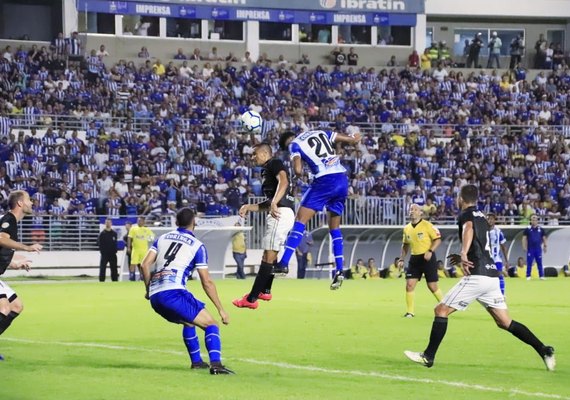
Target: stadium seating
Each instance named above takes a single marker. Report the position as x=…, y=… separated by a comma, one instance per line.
x=141, y=137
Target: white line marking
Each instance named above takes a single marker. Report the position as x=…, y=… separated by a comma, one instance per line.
x=402, y=378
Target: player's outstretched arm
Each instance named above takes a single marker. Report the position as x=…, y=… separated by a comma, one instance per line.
x=210, y=288
x=20, y=262
x=350, y=139
x=5, y=241
x=148, y=261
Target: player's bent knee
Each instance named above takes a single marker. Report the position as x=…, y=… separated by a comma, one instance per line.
x=441, y=310
x=17, y=307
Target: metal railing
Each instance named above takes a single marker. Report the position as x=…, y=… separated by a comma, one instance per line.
x=70, y=232
x=81, y=123
x=362, y=211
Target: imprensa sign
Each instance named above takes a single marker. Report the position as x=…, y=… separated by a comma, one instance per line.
x=398, y=6
x=243, y=13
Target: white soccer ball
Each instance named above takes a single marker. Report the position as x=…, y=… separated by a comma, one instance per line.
x=251, y=121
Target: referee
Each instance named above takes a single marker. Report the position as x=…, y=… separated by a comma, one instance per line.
x=421, y=239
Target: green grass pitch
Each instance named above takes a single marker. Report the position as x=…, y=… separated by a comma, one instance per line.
x=103, y=341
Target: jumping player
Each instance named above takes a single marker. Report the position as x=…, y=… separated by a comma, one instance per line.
x=329, y=188
x=279, y=221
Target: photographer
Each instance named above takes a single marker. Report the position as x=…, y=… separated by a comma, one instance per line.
x=474, y=50
x=517, y=49
x=494, y=51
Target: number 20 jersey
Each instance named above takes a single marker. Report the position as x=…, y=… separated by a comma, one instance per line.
x=317, y=149
x=177, y=254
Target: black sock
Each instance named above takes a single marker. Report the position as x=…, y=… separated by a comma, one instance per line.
x=260, y=282
x=524, y=334
x=438, y=329
x=6, y=320
x=269, y=283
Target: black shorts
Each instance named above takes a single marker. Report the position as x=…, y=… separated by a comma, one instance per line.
x=418, y=266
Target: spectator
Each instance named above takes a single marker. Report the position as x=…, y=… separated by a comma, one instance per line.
x=180, y=55
x=231, y=58
x=373, y=269
x=247, y=58
x=359, y=270
x=338, y=56
x=392, y=62
x=414, y=60
x=196, y=55
x=302, y=253
x=107, y=243
x=102, y=52
x=239, y=252
x=352, y=57
x=548, y=56
x=540, y=56
x=304, y=59
x=494, y=46
x=474, y=50
x=516, y=49
x=143, y=53
x=426, y=59
x=466, y=49
x=213, y=55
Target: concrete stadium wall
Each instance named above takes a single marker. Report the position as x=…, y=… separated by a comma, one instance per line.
x=383, y=243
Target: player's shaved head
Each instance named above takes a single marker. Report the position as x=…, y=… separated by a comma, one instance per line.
x=263, y=147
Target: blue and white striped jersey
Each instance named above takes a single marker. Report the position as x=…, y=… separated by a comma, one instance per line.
x=496, y=239
x=177, y=254
x=317, y=149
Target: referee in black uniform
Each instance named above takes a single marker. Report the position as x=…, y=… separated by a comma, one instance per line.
x=107, y=242
x=480, y=282
x=20, y=205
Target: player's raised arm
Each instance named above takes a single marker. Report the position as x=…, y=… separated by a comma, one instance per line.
x=350, y=139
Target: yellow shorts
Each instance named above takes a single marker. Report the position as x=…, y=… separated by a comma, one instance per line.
x=137, y=257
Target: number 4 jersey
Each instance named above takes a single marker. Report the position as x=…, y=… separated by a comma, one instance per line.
x=316, y=148
x=177, y=254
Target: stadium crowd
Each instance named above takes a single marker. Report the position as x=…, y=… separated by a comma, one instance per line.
x=145, y=139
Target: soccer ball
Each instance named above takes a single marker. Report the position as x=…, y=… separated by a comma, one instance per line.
x=251, y=121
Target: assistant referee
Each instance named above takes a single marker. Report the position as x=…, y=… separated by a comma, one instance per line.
x=421, y=239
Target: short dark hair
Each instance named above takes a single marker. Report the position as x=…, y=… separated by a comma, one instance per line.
x=491, y=215
x=469, y=193
x=264, y=146
x=184, y=217
x=14, y=198
x=283, y=139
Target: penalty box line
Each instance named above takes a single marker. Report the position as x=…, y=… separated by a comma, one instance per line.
x=400, y=378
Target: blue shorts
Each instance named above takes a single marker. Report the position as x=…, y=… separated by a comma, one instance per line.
x=177, y=305
x=328, y=190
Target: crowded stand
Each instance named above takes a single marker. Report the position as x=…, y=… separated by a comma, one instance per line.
x=146, y=137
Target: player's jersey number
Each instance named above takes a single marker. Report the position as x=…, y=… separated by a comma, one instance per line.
x=321, y=145
x=171, y=253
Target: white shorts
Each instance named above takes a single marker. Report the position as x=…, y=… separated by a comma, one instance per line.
x=6, y=291
x=484, y=289
x=276, y=230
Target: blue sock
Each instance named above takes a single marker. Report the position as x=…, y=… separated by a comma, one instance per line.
x=293, y=240
x=214, y=343
x=337, y=245
x=502, y=284
x=192, y=343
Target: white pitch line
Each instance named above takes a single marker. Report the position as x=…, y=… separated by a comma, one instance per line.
x=402, y=378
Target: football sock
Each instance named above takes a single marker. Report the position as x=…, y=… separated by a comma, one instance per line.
x=337, y=245
x=502, y=283
x=410, y=302
x=269, y=283
x=261, y=280
x=524, y=334
x=6, y=320
x=293, y=240
x=192, y=343
x=438, y=295
x=438, y=329
x=213, y=343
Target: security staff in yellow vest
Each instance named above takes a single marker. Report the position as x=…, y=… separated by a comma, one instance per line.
x=433, y=54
